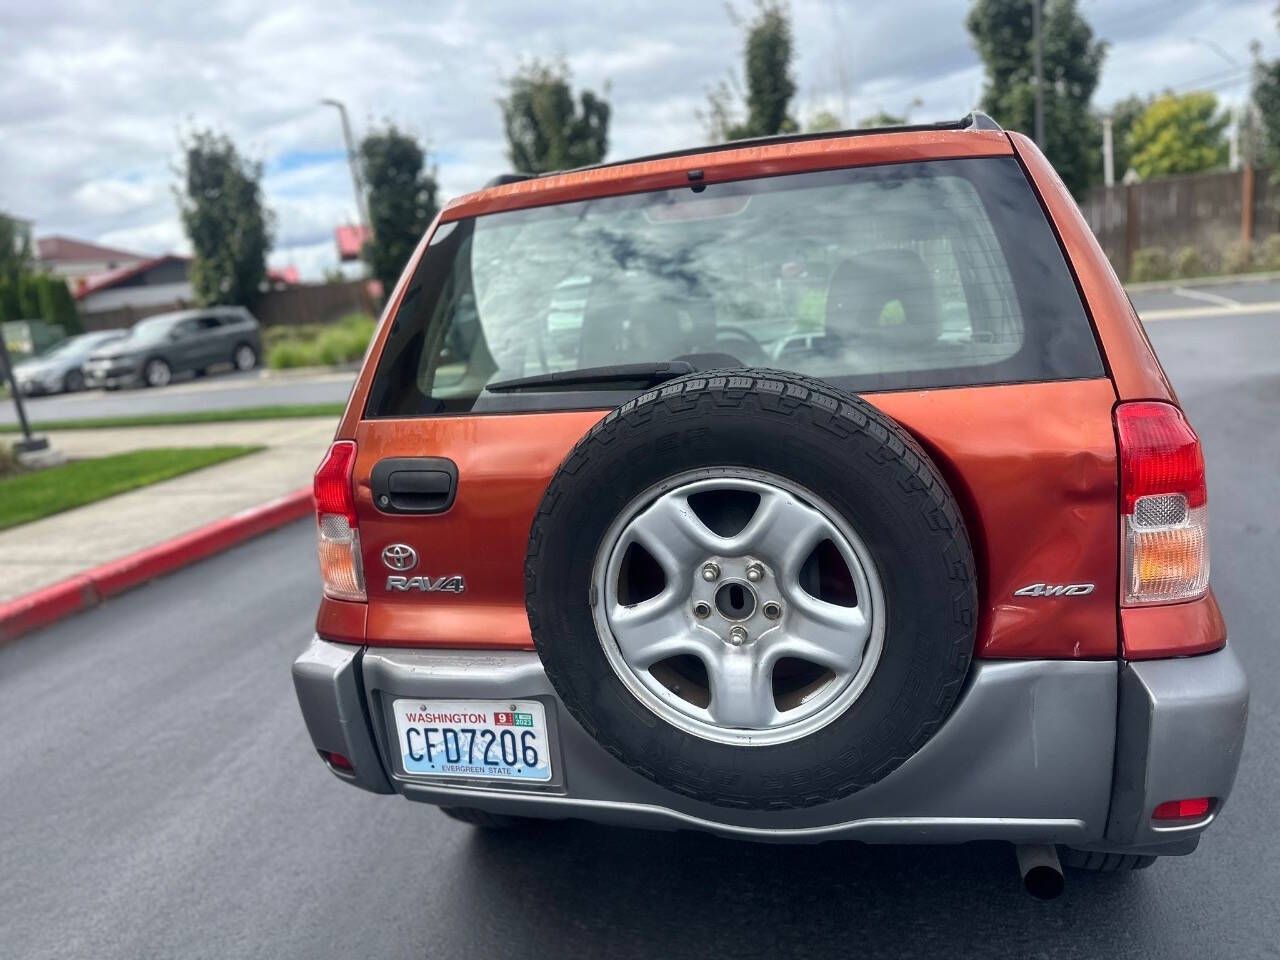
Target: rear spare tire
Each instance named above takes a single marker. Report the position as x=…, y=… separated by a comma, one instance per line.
x=752, y=588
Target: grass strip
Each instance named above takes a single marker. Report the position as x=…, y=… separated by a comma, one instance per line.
x=32, y=495
x=278, y=412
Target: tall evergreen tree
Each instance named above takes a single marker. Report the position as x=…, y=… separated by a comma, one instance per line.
x=402, y=200
x=221, y=206
x=546, y=130
x=768, y=53
x=1072, y=61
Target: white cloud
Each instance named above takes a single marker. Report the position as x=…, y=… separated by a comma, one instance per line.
x=93, y=97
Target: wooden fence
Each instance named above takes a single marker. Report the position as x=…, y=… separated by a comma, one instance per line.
x=309, y=303
x=1208, y=211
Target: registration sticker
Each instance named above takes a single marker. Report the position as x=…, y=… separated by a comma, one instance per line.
x=474, y=739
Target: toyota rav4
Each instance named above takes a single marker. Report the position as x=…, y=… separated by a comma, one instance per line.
x=793, y=489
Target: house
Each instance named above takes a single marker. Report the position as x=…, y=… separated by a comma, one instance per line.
x=145, y=287
x=77, y=260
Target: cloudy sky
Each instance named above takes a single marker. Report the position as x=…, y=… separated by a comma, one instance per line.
x=93, y=96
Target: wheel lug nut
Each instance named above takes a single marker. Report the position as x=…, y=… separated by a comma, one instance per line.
x=755, y=572
x=771, y=610
x=738, y=636
x=710, y=571
x=701, y=610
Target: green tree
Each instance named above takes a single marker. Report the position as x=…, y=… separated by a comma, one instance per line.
x=15, y=250
x=546, y=130
x=768, y=52
x=402, y=200
x=220, y=202
x=29, y=296
x=9, y=306
x=1179, y=134
x=1072, y=61
x=57, y=306
x=1124, y=114
x=824, y=121
x=1266, y=96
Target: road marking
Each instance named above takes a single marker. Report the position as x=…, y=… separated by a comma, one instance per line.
x=1182, y=313
x=1205, y=296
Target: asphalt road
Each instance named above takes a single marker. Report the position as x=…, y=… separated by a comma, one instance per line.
x=159, y=797
x=225, y=391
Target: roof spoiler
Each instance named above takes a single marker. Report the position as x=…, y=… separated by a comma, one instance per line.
x=976, y=120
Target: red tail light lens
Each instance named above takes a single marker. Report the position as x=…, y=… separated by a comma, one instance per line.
x=339, y=536
x=1163, y=505
x=1193, y=808
x=1159, y=454
x=332, y=487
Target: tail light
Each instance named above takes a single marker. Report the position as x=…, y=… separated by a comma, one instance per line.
x=1163, y=505
x=339, y=543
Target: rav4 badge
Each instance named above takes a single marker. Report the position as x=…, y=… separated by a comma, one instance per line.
x=453, y=584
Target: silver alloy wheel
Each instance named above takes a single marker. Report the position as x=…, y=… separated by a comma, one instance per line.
x=739, y=604
x=245, y=357
x=157, y=373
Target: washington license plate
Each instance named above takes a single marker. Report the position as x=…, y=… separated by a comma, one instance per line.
x=476, y=739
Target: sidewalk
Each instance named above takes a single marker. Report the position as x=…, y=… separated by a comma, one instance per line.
x=47, y=551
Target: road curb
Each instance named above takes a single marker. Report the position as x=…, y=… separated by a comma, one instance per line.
x=84, y=590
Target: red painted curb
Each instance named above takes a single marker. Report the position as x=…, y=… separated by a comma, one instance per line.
x=84, y=590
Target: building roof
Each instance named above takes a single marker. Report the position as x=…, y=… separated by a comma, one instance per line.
x=351, y=240
x=59, y=249
x=104, y=281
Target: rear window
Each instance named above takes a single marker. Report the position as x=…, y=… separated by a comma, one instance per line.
x=929, y=274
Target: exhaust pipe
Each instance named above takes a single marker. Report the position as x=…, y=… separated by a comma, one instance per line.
x=1040, y=870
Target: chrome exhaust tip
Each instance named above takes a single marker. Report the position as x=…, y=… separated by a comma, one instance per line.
x=1040, y=870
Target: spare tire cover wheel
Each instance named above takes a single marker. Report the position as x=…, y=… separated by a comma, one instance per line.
x=752, y=588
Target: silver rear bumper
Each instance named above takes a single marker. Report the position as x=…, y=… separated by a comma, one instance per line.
x=1027, y=755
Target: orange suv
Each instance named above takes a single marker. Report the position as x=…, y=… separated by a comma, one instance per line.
x=793, y=489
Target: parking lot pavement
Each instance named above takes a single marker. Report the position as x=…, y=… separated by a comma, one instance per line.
x=161, y=797
x=47, y=551
x=1247, y=294
x=228, y=391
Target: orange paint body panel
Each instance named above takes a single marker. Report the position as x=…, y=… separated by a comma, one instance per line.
x=1032, y=464
x=1173, y=630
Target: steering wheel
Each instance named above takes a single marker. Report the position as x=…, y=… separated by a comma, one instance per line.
x=753, y=355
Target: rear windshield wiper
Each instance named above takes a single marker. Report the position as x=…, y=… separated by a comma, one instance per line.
x=617, y=376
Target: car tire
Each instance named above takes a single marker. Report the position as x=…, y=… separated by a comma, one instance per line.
x=73, y=382
x=1093, y=861
x=483, y=818
x=885, y=489
x=157, y=373
x=244, y=358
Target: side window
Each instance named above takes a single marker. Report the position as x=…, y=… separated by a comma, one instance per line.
x=209, y=322
x=184, y=329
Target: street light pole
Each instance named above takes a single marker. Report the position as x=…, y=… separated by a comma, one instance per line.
x=28, y=443
x=362, y=210
x=1038, y=57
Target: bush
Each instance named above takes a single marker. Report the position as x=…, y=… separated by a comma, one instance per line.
x=1151, y=263
x=1271, y=252
x=1238, y=258
x=1188, y=262
x=314, y=345
x=8, y=459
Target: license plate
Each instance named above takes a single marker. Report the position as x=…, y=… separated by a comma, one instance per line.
x=474, y=739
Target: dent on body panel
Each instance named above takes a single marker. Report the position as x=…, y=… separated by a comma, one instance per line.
x=1034, y=469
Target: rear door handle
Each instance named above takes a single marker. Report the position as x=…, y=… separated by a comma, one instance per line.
x=417, y=485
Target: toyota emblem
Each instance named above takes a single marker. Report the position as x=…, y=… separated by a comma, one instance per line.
x=399, y=556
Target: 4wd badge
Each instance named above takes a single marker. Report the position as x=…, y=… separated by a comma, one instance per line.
x=453, y=584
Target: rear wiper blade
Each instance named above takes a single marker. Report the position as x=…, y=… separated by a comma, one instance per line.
x=616, y=375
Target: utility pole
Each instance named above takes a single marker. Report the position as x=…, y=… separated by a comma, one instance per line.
x=362, y=210
x=1108, y=153
x=1038, y=55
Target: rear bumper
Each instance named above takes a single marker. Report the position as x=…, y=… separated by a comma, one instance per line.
x=1078, y=753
